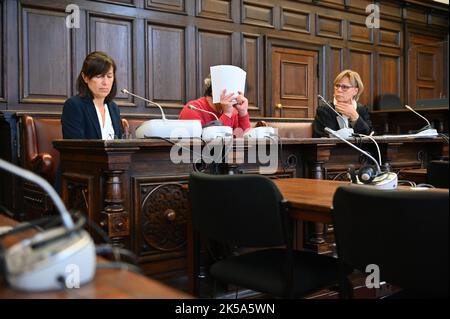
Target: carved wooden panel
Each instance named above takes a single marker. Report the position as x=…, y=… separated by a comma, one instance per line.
x=333, y=3
x=166, y=65
x=2, y=54
x=294, y=84
x=115, y=37
x=359, y=4
x=214, y=9
x=329, y=27
x=46, y=63
x=439, y=20
x=390, y=9
x=416, y=15
x=213, y=48
x=257, y=14
x=163, y=217
x=389, y=37
x=359, y=32
x=426, y=75
x=178, y=6
x=389, y=74
x=335, y=66
x=362, y=62
x=252, y=63
x=293, y=20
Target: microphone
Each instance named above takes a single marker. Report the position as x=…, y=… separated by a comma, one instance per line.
x=39, y=263
x=164, y=128
x=213, y=129
x=345, y=132
x=380, y=180
x=205, y=111
x=125, y=91
x=427, y=130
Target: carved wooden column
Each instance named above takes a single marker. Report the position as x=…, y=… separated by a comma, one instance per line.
x=114, y=220
x=317, y=241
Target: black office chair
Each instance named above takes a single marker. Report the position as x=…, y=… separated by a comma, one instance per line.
x=437, y=173
x=249, y=211
x=404, y=233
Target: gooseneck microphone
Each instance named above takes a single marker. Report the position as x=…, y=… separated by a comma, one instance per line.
x=345, y=132
x=15, y=170
x=125, y=91
x=44, y=261
x=386, y=180
x=427, y=130
x=197, y=109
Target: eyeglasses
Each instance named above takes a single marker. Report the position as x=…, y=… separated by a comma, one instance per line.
x=342, y=86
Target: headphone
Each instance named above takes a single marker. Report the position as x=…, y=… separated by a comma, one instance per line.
x=366, y=174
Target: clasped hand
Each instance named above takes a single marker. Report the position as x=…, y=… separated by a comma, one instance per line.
x=230, y=101
x=347, y=109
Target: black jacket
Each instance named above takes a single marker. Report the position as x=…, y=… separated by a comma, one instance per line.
x=79, y=119
x=325, y=117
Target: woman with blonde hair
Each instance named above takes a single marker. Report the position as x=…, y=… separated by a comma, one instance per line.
x=348, y=87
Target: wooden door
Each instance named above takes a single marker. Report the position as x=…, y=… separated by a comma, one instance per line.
x=294, y=83
x=425, y=73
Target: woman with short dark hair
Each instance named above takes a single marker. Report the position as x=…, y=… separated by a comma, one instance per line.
x=92, y=114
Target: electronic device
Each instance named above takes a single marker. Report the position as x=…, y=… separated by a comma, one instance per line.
x=48, y=259
x=260, y=132
x=165, y=128
x=214, y=129
x=426, y=131
x=369, y=175
x=345, y=132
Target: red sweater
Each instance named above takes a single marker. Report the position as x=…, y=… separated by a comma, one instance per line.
x=235, y=121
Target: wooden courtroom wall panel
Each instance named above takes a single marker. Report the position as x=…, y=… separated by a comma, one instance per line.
x=164, y=48
x=166, y=65
x=214, y=47
x=45, y=57
x=215, y=9
x=252, y=55
x=115, y=36
x=361, y=61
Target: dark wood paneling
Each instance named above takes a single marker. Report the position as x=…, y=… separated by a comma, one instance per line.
x=359, y=4
x=177, y=6
x=359, y=32
x=257, y=14
x=439, y=20
x=389, y=37
x=214, y=9
x=329, y=27
x=252, y=63
x=297, y=21
x=416, y=15
x=46, y=60
x=115, y=36
x=390, y=10
x=389, y=74
x=335, y=66
x=361, y=61
x=166, y=65
x=2, y=54
x=213, y=48
x=128, y=2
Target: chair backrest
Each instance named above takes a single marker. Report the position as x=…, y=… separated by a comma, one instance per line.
x=437, y=173
x=404, y=233
x=242, y=210
x=39, y=155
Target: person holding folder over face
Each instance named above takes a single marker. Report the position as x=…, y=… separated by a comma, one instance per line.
x=92, y=114
x=231, y=108
x=348, y=87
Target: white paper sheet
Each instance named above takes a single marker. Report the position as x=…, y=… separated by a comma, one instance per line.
x=229, y=77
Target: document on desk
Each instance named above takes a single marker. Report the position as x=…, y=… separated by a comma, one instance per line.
x=228, y=77
x=411, y=136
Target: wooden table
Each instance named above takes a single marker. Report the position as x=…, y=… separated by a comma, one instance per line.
x=107, y=283
x=418, y=175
